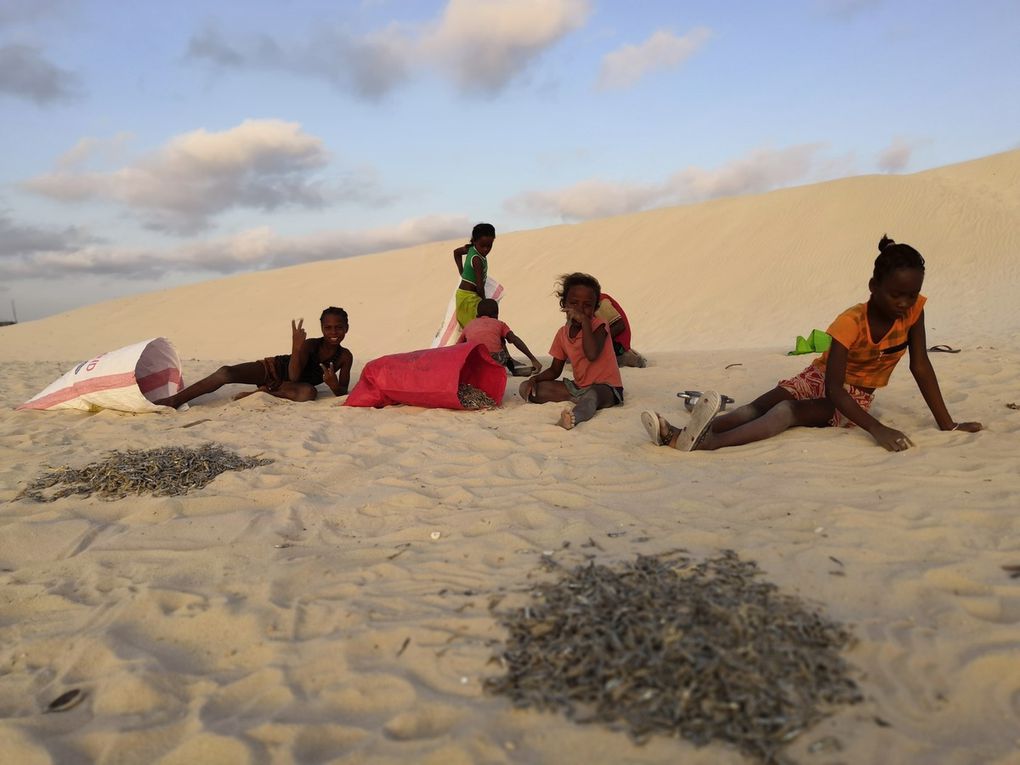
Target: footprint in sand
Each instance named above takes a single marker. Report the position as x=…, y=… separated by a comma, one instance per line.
x=979, y=599
x=523, y=466
x=565, y=499
x=427, y=722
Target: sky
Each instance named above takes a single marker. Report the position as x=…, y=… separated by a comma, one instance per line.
x=148, y=145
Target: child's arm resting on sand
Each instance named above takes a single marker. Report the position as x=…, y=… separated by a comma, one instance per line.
x=927, y=382
x=535, y=365
x=835, y=376
x=338, y=380
x=553, y=372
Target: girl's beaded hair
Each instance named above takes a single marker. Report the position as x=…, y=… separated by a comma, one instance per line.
x=577, y=279
x=893, y=256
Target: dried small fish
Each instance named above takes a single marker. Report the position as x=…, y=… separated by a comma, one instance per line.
x=65, y=701
x=471, y=397
x=706, y=651
x=166, y=472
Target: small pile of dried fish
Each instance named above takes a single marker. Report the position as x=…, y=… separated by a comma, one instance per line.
x=704, y=651
x=165, y=472
x=471, y=397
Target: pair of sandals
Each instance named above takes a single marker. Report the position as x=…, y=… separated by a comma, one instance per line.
x=689, y=438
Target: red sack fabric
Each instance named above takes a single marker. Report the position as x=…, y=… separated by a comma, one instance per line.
x=428, y=378
x=624, y=337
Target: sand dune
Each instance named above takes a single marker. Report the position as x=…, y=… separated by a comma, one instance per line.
x=743, y=272
x=333, y=606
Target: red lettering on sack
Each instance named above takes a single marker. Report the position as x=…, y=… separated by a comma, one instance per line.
x=92, y=364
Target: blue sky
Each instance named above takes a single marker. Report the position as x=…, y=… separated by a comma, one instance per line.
x=154, y=144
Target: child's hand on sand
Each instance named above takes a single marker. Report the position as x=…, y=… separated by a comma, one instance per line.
x=297, y=334
x=526, y=387
x=967, y=427
x=891, y=439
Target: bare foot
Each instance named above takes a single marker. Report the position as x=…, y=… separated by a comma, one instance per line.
x=566, y=420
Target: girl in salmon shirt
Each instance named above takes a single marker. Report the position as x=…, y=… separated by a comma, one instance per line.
x=584, y=341
x=836, y=389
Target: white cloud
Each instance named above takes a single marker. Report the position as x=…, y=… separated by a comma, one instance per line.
x=587, y=199
x=88, y=148
x=663, y=50
x=484, y=44
x=758, y=171
x=896, y=156
x=260, y=164
x=263, y=248
x=58, y=255
x=26, y=73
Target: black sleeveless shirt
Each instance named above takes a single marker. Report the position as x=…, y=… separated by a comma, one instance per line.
x=312, y=372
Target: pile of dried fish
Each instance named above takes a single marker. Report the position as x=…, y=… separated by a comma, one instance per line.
x=704, y=651
x=164, y=472
x=472, y=398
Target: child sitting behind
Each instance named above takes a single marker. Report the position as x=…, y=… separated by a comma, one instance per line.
x=494, y=335
x=584, y=340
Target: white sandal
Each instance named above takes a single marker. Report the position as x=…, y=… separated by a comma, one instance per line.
x=705, y=410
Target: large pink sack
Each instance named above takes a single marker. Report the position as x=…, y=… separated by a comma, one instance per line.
x=428, y=378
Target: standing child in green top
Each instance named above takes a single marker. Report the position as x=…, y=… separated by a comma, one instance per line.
x=473, y=268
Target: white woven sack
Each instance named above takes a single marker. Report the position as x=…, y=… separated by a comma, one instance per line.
x=128, y=380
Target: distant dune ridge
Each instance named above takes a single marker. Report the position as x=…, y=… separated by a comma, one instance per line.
x=731, y=273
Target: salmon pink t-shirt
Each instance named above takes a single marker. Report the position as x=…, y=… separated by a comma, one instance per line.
x=603, y=370
x=487, y=331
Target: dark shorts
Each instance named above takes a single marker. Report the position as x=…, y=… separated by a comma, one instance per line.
x=575, y=391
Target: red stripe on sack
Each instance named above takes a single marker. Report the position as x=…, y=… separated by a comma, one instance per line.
x=106, y=382
x=448, y=333
x=159, y=379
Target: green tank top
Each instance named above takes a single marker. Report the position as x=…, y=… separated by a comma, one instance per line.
x=468, y=274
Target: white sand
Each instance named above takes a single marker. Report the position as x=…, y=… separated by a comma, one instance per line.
x=261, y=619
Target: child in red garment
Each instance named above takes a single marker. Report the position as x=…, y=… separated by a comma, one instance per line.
x=585, y=341
x=494, y=334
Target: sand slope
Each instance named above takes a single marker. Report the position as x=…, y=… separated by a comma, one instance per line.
x=741, y=272
x=303, y=613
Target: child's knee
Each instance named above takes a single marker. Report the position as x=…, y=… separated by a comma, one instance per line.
x=306, y=393
x=785, y=413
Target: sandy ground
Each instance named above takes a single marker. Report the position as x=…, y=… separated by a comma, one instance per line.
x=303, y=612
